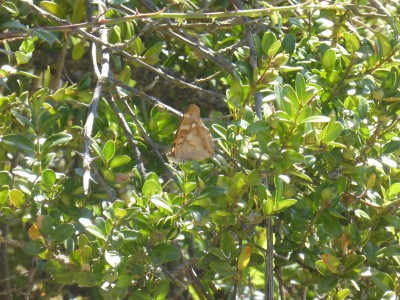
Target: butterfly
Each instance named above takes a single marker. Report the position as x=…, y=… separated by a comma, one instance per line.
x=193, y=140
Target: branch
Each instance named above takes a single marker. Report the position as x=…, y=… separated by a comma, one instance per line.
x=129, y=136
x=147, y=138
x=88, y=128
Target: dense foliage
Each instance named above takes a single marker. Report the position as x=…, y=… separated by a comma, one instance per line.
x=300, y=200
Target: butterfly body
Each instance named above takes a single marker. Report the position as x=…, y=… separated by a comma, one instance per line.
x=193, y=140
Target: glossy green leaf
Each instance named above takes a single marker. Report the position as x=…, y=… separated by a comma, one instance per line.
x=62, y=232
x=289, y=43
x=152, y=55
x=113, y=258
x=5, y=178
x=267, y=41
x=227, y=243
x=393, y=250
x=316, y=119
x=391, y=147
x=383, y=45
x=17, y=198
x=18, y=142
x=46, y=36
x=34, y=247
x=329, y=60
x=352, y=43
x=331, y=132
x=93, y=229
x=11, y=8
x=54, y=267
x=53, y=8
x=162, y=290
x=257, y=126
x=222, y=268
x=211, y=192
x=49, y=177
x=151, y=188
x=284, y=204
x=342, y=294
x=119, y=160
x=291, y=102
x=109, y=150
x=55, y=140
x=254, y=177
x=383, y=281
x=160, y=203
x=164, y=252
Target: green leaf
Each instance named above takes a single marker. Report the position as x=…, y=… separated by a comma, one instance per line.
x=254, y=177
x=227, y=244
x=222, y=268
x=49, y=177
x=283, y=204
x=3, y=196
x=109, y=150
x=300, y=86
x=119, y=161
x=383, y=281
x=78, y=51
x=223, y=217
x=289, y=43
x=237, y=91
x=291, y=103
x=62, y=232
x=315, y=119
x=11, y=8
x=18, y=142
x=331, y=132
x=17, y=198
x=257, y=126
x=113, y=258
x=274, y=48
x=13, y=24
x=53, y=8
x=211, y=192
x=151, y=188
x=383, y=45
x=331, y=224
x=78, y=12
x=352, y=43
x=34, y=247
x=164, y=252
x=45, y=36
x=329, y=60
x=267, y=41
x=152, y=56
x=158, y=201
x=93, y=229
x=86, y=279
x=46, y=121
x=389, y=251
x=53, y=267
x=5, y=178
x=342, y=294
x=55, y=140
x=162, y=290
x=391, y=147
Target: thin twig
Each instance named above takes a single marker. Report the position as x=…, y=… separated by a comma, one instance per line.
x=146, y=97
x=129, y=136
x=110, y=192
x=147, y=138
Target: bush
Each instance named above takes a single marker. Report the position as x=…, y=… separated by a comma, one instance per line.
x=300, y=199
